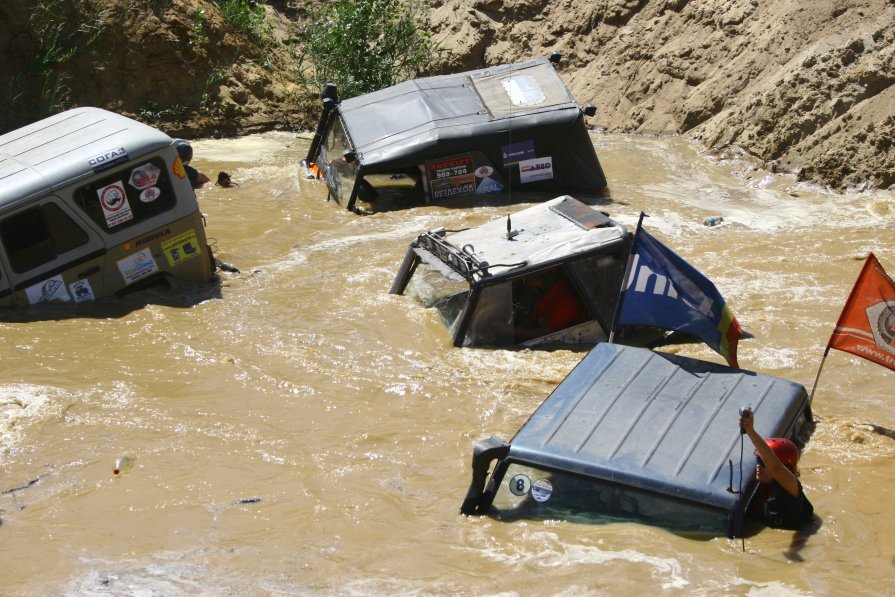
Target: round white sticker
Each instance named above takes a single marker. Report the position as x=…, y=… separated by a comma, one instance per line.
x=149, y=195
x=520, y=484
x=541, y=490
x=484, y=171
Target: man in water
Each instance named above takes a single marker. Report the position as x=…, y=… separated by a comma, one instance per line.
x=185, y=151
x=780, y=502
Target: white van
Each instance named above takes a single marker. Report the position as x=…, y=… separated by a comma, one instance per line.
x=94, y=204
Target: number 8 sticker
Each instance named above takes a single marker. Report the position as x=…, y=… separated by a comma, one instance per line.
x=520, y=484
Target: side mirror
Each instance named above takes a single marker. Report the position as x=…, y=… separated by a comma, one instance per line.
x=483, y=454
x=330, y=92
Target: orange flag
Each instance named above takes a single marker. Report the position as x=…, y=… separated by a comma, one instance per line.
x=866, y=326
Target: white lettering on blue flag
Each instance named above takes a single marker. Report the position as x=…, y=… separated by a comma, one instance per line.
x=666, y=292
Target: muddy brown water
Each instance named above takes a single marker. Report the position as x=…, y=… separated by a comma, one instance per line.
x=299, y=431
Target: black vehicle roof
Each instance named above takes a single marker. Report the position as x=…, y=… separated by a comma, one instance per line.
x=659, y=422
x=481, y=109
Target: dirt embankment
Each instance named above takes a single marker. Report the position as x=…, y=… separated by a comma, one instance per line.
x=802, y=86
x=178, y=64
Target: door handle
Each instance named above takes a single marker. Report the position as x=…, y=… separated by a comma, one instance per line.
x=88, y=272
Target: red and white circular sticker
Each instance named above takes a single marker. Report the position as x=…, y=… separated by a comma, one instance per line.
x=149, y=195
x=112, y=197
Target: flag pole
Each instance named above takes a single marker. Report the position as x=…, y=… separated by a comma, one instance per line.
x=626, y=278
x=839, y=321
x=817, y=377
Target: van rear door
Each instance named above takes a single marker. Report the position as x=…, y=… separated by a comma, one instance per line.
x=51, y=255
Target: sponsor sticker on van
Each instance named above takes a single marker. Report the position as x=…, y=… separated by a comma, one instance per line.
x=108, y=159
x=181, y=248
x=113, y=200
x=136, y=266
x=536, y=169
x=82, y=291
x=144, y=176
x=52, y=289
x=516, y=152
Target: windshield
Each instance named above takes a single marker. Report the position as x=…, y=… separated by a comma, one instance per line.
x=392, y=190
x=544, y=494
x=433, y=290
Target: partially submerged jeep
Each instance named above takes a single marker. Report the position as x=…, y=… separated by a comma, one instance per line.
x=636, y=435
x=511, y=129
x=548, y=275
x=94, y=204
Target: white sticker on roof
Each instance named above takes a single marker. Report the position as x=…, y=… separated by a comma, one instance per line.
x=523, y=90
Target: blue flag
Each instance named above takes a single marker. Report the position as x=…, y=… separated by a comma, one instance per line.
x=666, y=292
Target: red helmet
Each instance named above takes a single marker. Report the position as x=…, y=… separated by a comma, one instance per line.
x=785, y=450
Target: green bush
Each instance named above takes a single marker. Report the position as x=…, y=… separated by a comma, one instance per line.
x=365, y=45
x=247, y=17
x=41, y=86
x=199, y=33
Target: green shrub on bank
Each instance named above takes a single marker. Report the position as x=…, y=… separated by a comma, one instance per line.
x=247, y=17
x=41, y=86
x=365, y=45
x=66, y=34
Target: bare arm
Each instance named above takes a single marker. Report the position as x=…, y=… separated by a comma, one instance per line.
x=782, y=475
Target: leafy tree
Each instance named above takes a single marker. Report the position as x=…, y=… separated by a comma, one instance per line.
x=364, y=45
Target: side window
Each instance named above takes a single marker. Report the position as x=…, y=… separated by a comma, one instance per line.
x=602, y=278
x=39, y=235
x=128, y=195
x=526, y=308
x=545, y=302
x=492, y=320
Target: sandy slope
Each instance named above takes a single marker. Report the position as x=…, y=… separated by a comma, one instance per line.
x=805, y=87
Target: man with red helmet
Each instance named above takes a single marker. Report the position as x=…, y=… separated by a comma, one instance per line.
x=780, y=501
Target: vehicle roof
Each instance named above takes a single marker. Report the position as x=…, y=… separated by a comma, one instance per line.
x=660, y=422
x=403, y=121
x=559, y=228
x=56, y=151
